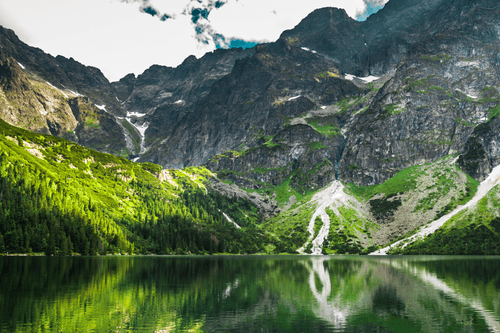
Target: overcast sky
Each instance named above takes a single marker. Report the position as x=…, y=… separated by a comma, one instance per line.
x=128, y=36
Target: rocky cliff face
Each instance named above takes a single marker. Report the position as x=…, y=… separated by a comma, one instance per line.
x=63, y=73
x=29, y=102
x=97, y=128
x=482, y=151
x=290, y=112
x=442, y=89
x=278, y=82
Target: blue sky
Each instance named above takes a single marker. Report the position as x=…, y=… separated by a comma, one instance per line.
x=370, y=10
x=128, y=36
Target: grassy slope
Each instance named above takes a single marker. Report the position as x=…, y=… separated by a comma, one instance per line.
x=113, y=194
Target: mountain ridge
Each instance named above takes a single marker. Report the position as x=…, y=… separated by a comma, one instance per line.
x=285, y=120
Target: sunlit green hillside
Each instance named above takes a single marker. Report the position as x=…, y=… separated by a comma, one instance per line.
x=60, y=198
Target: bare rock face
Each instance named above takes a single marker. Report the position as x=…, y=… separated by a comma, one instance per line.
x=278, y=82
x=482, y=151
x=61, y=72
x=442, y=89
x=96, y=128
x=267, y=206
x=31, y=104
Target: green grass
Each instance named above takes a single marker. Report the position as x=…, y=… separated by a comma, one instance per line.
x=493, y=112
x=318, y=223
x=403, y=181
x=392, y=109
x=323, y=126
x=316, y=145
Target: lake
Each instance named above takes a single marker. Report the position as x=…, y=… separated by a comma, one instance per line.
x=250, y=294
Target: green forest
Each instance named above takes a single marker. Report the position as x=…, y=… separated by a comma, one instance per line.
x=472, y=239
x=59, y=198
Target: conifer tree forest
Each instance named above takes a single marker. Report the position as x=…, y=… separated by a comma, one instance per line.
x=59, y=198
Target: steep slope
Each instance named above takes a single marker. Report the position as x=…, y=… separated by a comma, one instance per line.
x=444, y=87
x=38, y=106
x=157, y=99
x=252, y=99
x=476, y=222
x=61, y=198
x=61, y=72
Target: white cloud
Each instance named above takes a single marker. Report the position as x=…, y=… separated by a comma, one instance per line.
x=266, y=20
x=116, y=37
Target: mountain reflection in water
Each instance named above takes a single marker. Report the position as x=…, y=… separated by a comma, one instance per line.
x=250, y=294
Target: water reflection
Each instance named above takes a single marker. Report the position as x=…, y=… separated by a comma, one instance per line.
x=250, y=294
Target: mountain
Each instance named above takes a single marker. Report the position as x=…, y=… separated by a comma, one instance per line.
x=344, y=135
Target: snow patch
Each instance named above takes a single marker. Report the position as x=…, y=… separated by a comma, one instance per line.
x=135, y=159
x=135, y=114
x=75, y=93
x=101, y=107
x=308, y=50
x=366, y=79
x=483, y=189
x=323, y=107
x=229, y=220
x=179, y=101
x=467, y=64
x=468, y=95
x=370, y=78
x=294, y=97
x=20, y=65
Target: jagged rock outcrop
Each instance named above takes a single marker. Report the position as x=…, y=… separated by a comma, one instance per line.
x=32, y=104
x=267, y=206
x=40, y=107
x=444, y=87
x=299, y=152
x=278, y=82
x=96, y=128
x=372, y=47
x=61, y=72
x=482, y=151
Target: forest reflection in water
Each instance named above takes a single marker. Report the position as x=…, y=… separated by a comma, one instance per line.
x=250, y=294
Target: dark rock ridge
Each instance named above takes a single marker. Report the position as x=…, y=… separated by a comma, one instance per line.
x=286, y=109
x=96, y=128
x=442, y=89
x=159, y=86
x=278, y=82
x=372, y=47
x=482, y=151
x=61, y=72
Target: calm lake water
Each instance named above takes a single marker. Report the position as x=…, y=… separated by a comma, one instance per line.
x=250, y=294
